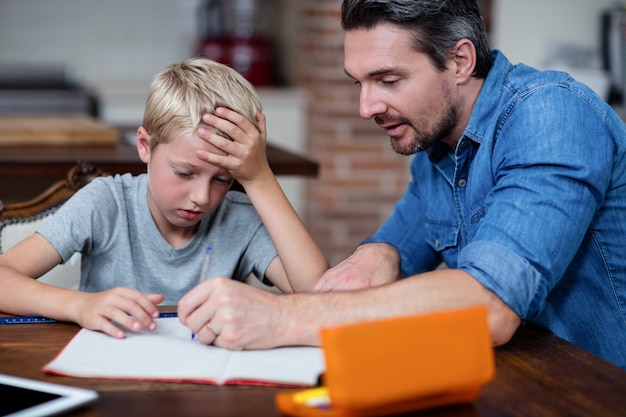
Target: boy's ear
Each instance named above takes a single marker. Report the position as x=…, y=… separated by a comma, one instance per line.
x=143, y=144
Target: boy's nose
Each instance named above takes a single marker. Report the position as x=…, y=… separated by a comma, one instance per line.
x=201, y=196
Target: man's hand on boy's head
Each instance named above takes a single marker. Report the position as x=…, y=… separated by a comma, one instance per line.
x=245, y=157
x=124, y=306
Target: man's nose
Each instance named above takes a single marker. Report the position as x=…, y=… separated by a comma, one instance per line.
x=370, y=105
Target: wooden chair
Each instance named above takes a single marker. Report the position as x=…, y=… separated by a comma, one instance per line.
x=20, y=220
x=55, y=195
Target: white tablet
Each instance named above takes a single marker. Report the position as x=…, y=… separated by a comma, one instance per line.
x=20, y=397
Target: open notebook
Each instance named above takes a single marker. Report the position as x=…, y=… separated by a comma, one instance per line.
x=170, y=354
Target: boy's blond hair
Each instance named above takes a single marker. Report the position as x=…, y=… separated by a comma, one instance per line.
x=182, y=93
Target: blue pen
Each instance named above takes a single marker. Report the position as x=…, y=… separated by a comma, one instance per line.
x=206, y=261
x=204, y=271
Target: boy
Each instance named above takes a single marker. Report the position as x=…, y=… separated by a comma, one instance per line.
x=142, y=238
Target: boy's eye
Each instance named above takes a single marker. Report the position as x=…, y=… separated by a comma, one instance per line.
x=182, y=174
x=222, y=180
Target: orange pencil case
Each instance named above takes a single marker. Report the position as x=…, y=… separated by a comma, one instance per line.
x=398, y=365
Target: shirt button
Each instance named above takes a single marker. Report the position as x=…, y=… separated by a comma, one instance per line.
x=437, y=243
x=461, y=183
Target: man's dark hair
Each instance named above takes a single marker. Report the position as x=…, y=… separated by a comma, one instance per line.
x=436, y=25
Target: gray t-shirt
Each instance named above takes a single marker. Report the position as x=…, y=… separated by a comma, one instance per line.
x=109, y=223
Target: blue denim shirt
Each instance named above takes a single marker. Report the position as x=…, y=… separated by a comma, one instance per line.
x=531, y=203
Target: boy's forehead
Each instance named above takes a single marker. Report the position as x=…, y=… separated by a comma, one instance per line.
x=188, y=141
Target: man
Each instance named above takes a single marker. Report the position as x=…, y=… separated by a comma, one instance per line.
x=519, y=186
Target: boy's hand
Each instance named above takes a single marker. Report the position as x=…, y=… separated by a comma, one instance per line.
x=245, y=157
x=129, y=308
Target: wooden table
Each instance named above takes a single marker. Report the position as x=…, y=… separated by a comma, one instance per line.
x=54, y=162
x=537, y=374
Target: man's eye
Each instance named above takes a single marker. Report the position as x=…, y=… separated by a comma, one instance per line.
x=389, y=81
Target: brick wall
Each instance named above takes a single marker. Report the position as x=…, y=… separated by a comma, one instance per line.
x=360, y=176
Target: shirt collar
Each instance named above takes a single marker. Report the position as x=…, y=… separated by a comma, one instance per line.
x=488, y=98
x=482, y=113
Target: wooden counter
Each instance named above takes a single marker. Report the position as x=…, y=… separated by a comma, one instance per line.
x=45, y=162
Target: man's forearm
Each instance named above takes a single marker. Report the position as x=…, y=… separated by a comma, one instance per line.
x=421, y=294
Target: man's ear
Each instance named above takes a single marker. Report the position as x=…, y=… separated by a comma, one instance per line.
x=465, y=60
x=143, y=144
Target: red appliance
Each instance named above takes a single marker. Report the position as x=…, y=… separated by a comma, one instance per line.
x=233, y=32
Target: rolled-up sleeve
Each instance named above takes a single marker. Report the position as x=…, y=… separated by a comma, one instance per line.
x=512, y=278
x=538, y=198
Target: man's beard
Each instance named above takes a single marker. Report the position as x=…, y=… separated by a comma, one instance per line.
x=423, y=140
